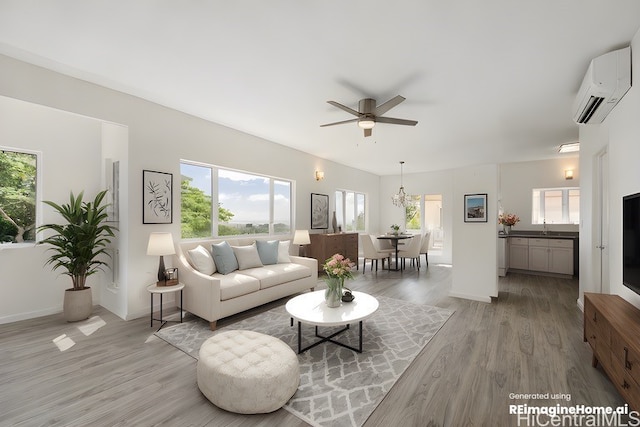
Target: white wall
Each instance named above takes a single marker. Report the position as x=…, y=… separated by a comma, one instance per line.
x=475, y=244
x=158, y=138
x=517, y=180
x=620, y=135
x=71, y=160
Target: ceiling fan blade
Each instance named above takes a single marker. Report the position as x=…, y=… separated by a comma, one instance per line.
x=383, y=108
x=393, y=121
x=367, y=132
x=339, y=123
x=342, y=107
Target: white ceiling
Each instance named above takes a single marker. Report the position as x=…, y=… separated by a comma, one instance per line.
x=489, y=81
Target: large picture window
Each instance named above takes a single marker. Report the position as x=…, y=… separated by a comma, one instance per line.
x=18, y=182
x=556, y=205
x=223, y=202
x=351, y=210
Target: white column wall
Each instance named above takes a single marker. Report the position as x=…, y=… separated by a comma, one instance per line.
x=475, y=244
x=71, y=155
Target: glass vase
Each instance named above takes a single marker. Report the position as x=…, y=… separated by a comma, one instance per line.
x=333, y=293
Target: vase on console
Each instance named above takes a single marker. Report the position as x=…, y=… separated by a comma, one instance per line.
x=334, y=222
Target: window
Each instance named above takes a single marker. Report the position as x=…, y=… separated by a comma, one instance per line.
x=556, y=206
x=413, y=221
x=246, y=203
x=18, y=181
x=351, y=210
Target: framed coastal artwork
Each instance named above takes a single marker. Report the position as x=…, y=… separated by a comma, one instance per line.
x=319, y=211
x=157, y=197
x=475, y=207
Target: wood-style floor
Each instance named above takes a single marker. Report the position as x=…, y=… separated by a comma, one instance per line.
x=529, y=340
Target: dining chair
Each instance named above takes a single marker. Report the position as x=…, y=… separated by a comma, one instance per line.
x=424, y=249
x=412, y=251
x=371, y=253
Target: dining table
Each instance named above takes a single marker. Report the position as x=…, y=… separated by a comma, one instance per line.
x=395, y=239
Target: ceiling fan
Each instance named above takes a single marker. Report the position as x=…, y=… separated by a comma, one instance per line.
x=368, y=114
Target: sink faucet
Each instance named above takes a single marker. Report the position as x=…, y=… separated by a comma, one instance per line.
x=544, y=227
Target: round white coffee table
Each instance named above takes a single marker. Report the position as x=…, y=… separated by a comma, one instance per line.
x=311, y=309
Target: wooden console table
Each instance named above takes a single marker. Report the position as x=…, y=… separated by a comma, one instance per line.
x=612, y=328
x=324, y=246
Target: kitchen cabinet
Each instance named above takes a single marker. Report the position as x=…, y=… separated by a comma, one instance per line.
x=503, y=256
x=539, y=254
x=551, y=255
x=519, y=253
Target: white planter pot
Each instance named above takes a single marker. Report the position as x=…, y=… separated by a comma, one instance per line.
x=77, y=305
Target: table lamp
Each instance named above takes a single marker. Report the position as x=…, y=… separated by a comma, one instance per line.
x=301, y=237
x=160, y=244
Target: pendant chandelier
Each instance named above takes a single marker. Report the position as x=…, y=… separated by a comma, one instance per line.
x=401, y=199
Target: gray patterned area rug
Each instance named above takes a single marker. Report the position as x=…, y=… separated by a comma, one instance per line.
x=338, y=387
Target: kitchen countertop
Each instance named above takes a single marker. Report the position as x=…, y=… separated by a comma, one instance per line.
x=538, y=235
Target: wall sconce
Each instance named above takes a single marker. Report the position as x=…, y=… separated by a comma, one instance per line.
x=568, y=174
x=319, y=175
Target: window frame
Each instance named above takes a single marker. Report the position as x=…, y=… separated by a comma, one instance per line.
x=535, y=217
x=214, y=182
x=38, y=197
x=341, y=219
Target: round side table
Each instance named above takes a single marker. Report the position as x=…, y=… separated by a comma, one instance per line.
x=155, y=289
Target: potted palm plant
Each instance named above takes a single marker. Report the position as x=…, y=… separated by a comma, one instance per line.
x=79, y=248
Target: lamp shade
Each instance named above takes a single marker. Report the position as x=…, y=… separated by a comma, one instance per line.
x=301, y=237
x=160, y=244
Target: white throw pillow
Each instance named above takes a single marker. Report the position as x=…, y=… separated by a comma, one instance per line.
x=247, y=256
x=283, y=252
x=202, y=260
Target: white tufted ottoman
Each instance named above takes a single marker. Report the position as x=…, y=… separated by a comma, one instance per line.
x=247, y=372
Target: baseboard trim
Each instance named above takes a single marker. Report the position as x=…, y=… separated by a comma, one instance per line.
x=480, y=298
x=29, y=315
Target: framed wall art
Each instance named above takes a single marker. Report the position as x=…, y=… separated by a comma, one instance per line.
x=319, y=211
x=157, y=197
x=475, y=207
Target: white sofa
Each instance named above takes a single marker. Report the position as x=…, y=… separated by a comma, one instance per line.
x=217, y=295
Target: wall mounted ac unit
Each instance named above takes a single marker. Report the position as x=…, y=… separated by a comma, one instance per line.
x=607, y=80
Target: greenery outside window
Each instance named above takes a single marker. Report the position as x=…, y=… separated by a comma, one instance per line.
x=351, y=210
x=413, y=222
x=246, y=203
x=18, y=192
x=556, y=205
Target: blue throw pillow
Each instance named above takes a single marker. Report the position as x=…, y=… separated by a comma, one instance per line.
x=224, y=257
x=268, y=251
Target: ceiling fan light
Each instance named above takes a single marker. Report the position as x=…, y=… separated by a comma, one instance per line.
x=366, y=123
